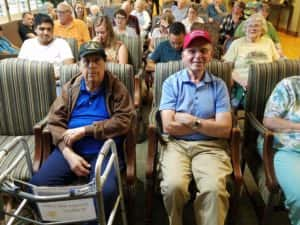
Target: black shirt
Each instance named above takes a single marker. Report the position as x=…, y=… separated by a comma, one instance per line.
x=24, y=30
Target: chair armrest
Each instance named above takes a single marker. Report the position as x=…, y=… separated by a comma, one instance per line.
x=138, y=89
x=236, y=155
x=268, y=152
x=152, y=151
x=130, y=149
x=38, y=138
x=47, y=142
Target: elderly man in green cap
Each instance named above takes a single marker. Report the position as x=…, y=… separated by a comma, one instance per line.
x=93, y=106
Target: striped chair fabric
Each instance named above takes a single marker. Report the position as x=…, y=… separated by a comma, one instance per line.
x=135, y=51
x=156, y=41
x=261, y=82
x=74, y=47
x=124, y=72
x=27, y=90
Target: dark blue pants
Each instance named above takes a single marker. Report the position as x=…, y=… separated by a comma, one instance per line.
x=56, y=172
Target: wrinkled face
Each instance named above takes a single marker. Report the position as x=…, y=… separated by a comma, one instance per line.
x=92, y=67
x=28, y=20
x=44, y=33
x=64, y=14
x=254, y=30
x=192, y=14
x=120, y=21
x=176, y=41
x=79, y=9
x=197, y=55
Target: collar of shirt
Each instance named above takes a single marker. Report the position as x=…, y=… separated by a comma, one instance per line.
x=207, y=78
x=83, y=89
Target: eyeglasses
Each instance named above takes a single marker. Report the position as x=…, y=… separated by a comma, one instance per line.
x=120, y=17
x=62, y=12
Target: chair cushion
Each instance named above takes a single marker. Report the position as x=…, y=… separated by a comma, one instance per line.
x=21, y=171
x=27, y=90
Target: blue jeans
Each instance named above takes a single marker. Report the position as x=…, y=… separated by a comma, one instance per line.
x=287, y=168
x=56, y=172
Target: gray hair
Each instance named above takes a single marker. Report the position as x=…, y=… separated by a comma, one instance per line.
x=257, y=17
x=65, y=5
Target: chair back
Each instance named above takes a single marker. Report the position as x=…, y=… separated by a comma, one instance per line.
x=124, y=72
x=263, y=79
x=74, y=47
x=156, y=41
x=27, y=90
x=135, y=51
x=164, y=70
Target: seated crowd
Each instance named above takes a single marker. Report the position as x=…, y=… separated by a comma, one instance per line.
x=247, y=41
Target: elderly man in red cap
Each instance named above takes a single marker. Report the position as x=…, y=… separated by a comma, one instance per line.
x=196, y=118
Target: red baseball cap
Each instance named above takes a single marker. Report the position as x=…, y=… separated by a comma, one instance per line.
x=201, y=34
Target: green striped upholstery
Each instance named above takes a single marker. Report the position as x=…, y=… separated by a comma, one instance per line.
x=22, y=171
x=135, y=53
x=74, y=47
x=163, y=70
x=262, y=80
x=124, y=72
x=27, y=90
x=156, y=41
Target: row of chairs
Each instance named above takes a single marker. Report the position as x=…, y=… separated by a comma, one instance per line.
x=27, y=90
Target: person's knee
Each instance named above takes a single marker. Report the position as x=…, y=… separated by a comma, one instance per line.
x=174, y=187
x=213, y=187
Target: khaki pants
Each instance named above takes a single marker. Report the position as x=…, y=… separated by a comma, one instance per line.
x=209, y=165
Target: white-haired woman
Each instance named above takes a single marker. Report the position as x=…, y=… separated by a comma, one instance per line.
x=253, y=48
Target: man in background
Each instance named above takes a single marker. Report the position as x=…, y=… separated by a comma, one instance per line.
x=26, y=26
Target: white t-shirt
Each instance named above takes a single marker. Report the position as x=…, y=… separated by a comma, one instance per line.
x=55, y=52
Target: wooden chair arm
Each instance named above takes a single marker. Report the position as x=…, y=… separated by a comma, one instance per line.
x=130, y=149
x=236, y=155
x=138, y=89
x=268, y=152
x=152, y=151
x=268, y=159
x=47, y=143
x=38, y=138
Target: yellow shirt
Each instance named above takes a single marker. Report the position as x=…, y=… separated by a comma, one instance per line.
x=77, y=29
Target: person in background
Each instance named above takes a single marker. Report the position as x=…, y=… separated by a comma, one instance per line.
x=26, y=26
x=121, y=27
x=50, y=10
x=166, y=19
x=253, y=48
x=169, y=50
x=196, y=120
x=115, y=50
x=94, y=13
x=45, y=47
x=68, y=27
x=216, y=11
x=180, y=10
x=132, y=20
x=264, y=10
x=6, y=47
x=231, y=21
x=143, y=17
x=80, y=11
x=192, y=17
x=93, y=107
x=282, y=117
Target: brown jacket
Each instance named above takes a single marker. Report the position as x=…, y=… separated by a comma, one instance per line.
x=119, y=105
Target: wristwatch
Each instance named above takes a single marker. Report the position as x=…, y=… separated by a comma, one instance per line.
x=196, y=124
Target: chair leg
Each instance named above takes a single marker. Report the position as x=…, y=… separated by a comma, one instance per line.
x=149, y=201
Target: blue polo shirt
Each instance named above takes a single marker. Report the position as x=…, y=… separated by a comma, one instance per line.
x=89, y=107
x=204, y=100
x=5, y=45
x=164, y=52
